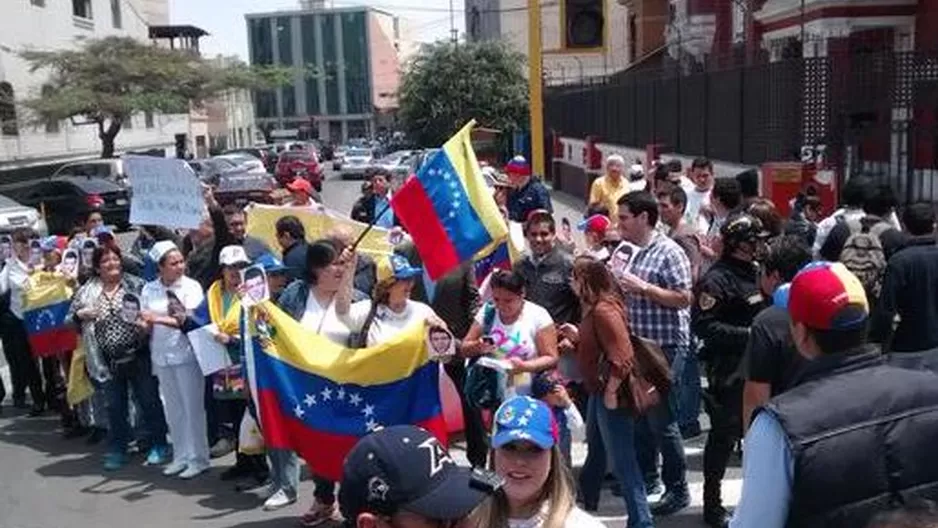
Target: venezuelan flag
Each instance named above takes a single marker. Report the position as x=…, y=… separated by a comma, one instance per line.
x=318, y=398
x=448, y=209
x=46, y=304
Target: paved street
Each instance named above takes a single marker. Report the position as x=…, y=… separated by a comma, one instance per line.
x=47, y=481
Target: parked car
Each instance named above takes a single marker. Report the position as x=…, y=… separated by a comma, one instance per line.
x=267, y=156
x=14, y=215
x=67, y=200
x=299, y=163
x=243, y=187
x=400, y=164
x=338, y=157
x=111, y=169
x=356, y=163
x=209, y=169
x=247, y=161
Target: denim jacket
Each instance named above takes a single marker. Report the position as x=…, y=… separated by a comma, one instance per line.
x=292, y=299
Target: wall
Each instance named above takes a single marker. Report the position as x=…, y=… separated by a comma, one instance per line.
x=156, y=12
x=24, y=25
x=383, y=58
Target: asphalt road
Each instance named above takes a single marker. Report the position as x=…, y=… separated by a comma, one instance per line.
x=47, y=481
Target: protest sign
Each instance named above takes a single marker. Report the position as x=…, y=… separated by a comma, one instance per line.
x=254, y=286
x=262, y=220
x=166, y=192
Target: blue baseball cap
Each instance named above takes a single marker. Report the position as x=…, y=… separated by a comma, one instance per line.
x=396, y=267
x=102, y=233
x=524, y=418
x=270, y=263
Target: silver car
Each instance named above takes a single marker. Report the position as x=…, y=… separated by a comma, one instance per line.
x=14, y=215
x=356, y=164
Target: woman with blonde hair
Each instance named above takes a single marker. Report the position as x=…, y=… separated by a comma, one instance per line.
x=538, y=490
x=604, y=356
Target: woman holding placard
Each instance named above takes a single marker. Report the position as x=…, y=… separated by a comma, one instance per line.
x=107, y=308
x=165, y=304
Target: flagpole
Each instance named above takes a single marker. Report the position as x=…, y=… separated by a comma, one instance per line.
x=370, y=226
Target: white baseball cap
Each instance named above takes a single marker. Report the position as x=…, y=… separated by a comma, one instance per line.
x=161, y=248
x=233, y=256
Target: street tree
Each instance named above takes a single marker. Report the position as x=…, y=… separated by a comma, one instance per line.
x=103, y=82
x=447, y=84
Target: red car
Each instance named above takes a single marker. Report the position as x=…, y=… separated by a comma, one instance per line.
x=299, y=163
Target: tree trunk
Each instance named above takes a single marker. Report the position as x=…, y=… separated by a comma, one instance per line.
x=107, y=135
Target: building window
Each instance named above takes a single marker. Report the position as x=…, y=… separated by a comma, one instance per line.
x=116, y=19
x=52, y=125
x=128, y=122
x=81, y=8
x=38, y=3
x=8, y=125
x=148, y=119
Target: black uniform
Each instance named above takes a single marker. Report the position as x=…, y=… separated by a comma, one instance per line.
x=727, y=300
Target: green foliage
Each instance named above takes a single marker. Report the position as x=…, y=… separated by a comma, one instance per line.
x=445, y=85
x=105, y=81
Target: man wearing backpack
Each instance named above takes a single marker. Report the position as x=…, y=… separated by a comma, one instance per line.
x=865, y=244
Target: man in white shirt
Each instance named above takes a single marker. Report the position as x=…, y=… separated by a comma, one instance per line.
x=854, y=195
x=698, y=197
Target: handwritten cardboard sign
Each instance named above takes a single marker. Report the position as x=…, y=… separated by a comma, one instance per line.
x=166, y=192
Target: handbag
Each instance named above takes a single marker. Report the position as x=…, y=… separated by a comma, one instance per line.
x=647, y=382
x=484, y=387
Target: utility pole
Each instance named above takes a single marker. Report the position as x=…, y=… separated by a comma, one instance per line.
x=452, y=23
x=535, y=87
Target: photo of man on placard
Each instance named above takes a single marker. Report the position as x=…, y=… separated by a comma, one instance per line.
x=441, y=342
x=130, y=308
x=254, y=286
x=6, y=247
x=70, y=260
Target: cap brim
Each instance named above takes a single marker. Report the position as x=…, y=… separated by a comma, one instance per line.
x=780, y=297
x=504, y=437
x=408, y=273
x=453, y=499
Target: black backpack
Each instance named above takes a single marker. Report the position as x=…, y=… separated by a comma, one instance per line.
x=484, y=387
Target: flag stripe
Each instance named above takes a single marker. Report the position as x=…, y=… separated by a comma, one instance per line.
x=312, y=353
x=411, y=205
x=443, y=185
x=323, y=452
x=46, y=317
x=463, y=158
x=54, y=341
x=499, y=258
x=346, y=409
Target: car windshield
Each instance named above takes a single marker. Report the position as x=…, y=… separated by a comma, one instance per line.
x=7, y=202
x=292, y=155
x=94, y=185
x=244, y=182
x=358, y=153
x=100, y=170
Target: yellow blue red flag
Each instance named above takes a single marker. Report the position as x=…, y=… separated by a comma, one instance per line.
x=46, y=303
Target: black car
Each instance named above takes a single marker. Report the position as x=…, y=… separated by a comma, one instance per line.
x=242, y=188
x=67, y=200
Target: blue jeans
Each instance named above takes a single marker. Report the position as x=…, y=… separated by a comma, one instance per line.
x=284, y=470
x=565, y=441
x=688, y=392
x=138, y=377
x=616, y=430
x=658, y=431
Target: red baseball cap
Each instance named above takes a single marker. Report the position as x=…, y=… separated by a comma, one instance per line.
x=825, y=296
x=300, y=185
x=598, y=224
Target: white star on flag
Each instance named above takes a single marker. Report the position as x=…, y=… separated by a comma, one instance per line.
x=354, y=399
x=456, y=204
x=452, y=214
x=431, y=171
x=298, y=411
x=523, y=421
x=371, y=424
x=340, y=394
x=453, y=185
x=326, y=394
x=456, y=194
x=529, y=412
x=310, y=400
x=369, y=410
x=446, y=175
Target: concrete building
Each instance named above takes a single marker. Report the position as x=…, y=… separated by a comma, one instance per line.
x=156, y=12
x=48, y=24
x=352, y=64
x=634, y=30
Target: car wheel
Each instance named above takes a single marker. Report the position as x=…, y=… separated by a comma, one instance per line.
x=318, y=186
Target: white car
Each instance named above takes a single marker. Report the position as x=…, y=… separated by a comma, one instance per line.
x=244, y=161
x=356, y=163
x=338, y=157
x=14, y=215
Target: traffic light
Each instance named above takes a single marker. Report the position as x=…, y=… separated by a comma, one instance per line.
x=584, y=23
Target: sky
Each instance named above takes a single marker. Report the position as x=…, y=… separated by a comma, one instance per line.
x=224, y=19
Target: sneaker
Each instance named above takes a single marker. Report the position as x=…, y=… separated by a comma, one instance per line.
x=193, y=470
x=114, y=461
x=221, y=448
x=278, y=500
x=319, y=513
x=174, y=468
x=157, y=456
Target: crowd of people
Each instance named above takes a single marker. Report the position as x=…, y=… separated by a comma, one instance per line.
x=815, y=336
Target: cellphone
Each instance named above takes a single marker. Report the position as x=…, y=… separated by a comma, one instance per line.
x=488, y=340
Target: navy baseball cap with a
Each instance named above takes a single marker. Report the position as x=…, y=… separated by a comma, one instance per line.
x=524, y=418
x=405, y=468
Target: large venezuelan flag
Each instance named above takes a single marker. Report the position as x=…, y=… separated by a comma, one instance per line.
x=46, y=304
x=318, y=398
x=448, y=209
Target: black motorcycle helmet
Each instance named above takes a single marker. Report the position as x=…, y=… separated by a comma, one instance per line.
x=742, y=228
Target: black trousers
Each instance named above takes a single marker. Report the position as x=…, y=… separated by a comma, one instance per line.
x=725, y=407
x=24, y=368
x=476, y=438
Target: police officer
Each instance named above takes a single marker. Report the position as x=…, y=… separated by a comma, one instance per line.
x=727, y=300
